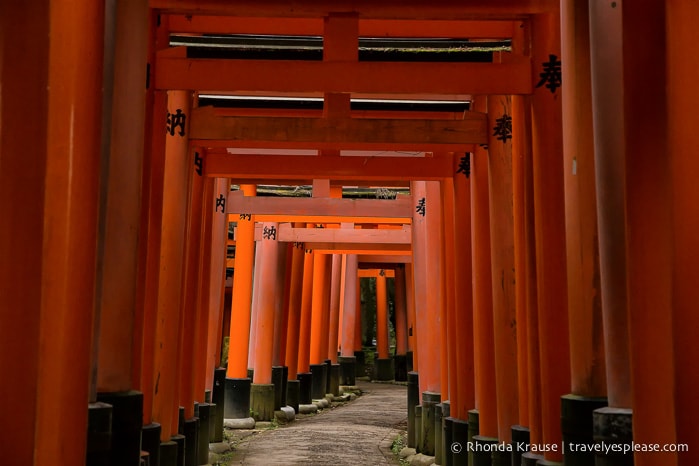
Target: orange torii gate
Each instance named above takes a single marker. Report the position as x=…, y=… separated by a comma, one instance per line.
x=113, y=257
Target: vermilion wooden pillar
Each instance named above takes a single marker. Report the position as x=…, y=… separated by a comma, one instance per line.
x=550, y=226
x=255, y=307
x=320, y=269
x=649, y=235
x=608, y=123
x=334, y=321
x=450, y=388
x=51, y=198
x=483, y=339
x=588, y=379
x=177, y=170
x=682, y=69
x=351, y=306
x=463, y=305
x=410, y=302
x=242, y=293
x=401, y=312
x=304, y=357
x=502, y=253
x=294, y=322
x=381, y=316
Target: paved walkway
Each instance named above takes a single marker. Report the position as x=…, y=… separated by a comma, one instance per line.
x=349, y=434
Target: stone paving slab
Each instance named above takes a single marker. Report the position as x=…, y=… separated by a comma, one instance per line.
x=352, y=434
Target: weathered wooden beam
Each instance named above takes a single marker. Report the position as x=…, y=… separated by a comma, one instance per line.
x=385, y=259
x=200, y=24
x=370, y=9
x=304, y=168
x=337, y=133
x=176, y=71
x=328, y=208
x=287, y=233
x=349, y=248
x=375, y=272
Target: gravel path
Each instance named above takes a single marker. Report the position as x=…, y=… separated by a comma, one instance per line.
x=354, y=433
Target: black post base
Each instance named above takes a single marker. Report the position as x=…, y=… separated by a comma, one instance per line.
x=318, y=381
x=347, y=370
x=400, y=368
x=218, y=397
x=150, y=442
x=237, y=399
x=613, y=426
x=459, y=439
x=204, y=430
x=576, y=427
x=413, y=400
x=293, y=388
x=127, y=421
x=305, y=388
x=99, y=434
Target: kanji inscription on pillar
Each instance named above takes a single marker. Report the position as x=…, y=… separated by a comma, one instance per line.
x=465, y=165
x=245, y=217
x=221, y=202
x=174, y=121
x=198, y=163
x=551, y=76
x=503, y=128
x=298, y=245
x=420, y=207
x=269, y=232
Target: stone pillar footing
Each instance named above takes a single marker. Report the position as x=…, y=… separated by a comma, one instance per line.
x=429, y=401
x=473, y=430
x=278, y=382
x=237, y=398
x=613, y=425
x=180, y=442
x=360, y=364
x=168, y=454
x=218, y=398
x=576, y=427
x=447, y=440
x=127, y=421
x=318, y=380
x=459, y=438
x=531, y=459
x=413, y=401
x=204, y=431
x=483, y=449
x=99, y=434
x=409, y=361
x=150, y=441
x=438, y=440
x=520, y=443
x=347, y=370
x=305, y=388
x=400, y=368
x=334, y=387
x=191, y=441
x=418, y=428
x=262, y=401
x=383, y=369
x=292, y=394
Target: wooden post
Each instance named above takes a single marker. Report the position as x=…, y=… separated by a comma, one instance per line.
x=334, y=321
x=401, y=312
x=381, y=317
x=412, y=328
x=502, y=255
x=304, y=358
x=483, y=339
x=318, y=350
x=550, y=228
x=682, y=101
x=450, y=389
x=294, y=322
x=463, y=305
x=177, y=166
x=351, y=305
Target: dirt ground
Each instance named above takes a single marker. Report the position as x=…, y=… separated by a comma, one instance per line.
x=353, y=433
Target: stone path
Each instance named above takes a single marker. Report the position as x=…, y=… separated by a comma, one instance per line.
x=356, y=433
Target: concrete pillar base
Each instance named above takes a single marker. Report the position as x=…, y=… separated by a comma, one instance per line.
x=473, y=430
x=360, y=364
x=347, y=370
x=400, y=368
x=520, y=443
x=413, y=401
x=204, y=428
x=459, y=439
x=334, y=387
x=251, y=373
x=326, y=374
x=180, y=442
x=292, y=394
x=531, y=459
x=576, y=426
x=383, y=369
x=262, y=401
x=409, y=361
x=613, y=425
x=127, y=421
x=278, y=382
x=150, y=442
x=438, y=440
x=168, y=454
x=501, y=457
x=429, y=401
x=99, y=434
x=418, y=428
x=318, y=381
x=191, y=441
x=483, y=453
x=218, y=398
x=305, y=388
x=237, y=398
x=548, y=463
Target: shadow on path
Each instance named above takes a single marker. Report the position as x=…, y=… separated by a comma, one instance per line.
x=349, y=434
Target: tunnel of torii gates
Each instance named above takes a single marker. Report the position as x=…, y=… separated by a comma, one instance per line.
x=544, y=260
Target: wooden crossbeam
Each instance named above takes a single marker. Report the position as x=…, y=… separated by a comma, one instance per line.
x=289, y=234
x=201, y=24
x=175, y=71
x=394, y=259
x=305, y=168
x=206, y=127
x=375, y=272
x=370, y=9
x=328, y=208
x=351, y=248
